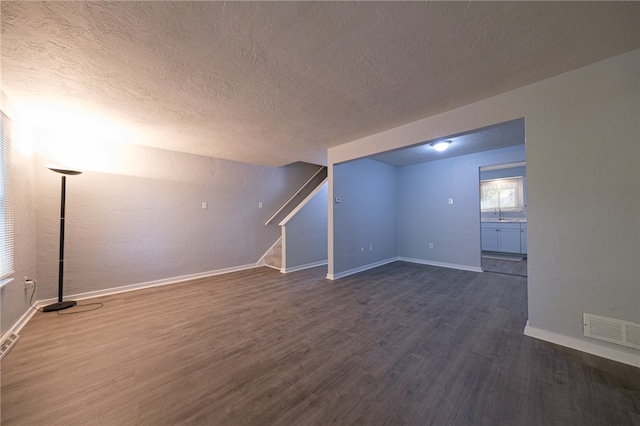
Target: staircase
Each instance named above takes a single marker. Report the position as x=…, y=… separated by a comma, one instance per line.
x=273, y=258
x=299, y=196
x=277, y=256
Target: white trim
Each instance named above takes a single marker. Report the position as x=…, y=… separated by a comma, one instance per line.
x=301, y=267
x=293, y=196
x=403, y=259
x=148, y=284
x=584, y=346
x=272, y=267
x=283, y=259
x=442, y=264
x=361, y=269
x=8, y=341
x=7, y=280
x=313, y=193
x=503, y=166
x=22, y=321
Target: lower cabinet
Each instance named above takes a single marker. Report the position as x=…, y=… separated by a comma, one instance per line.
x=489, y=238
x=503, y=237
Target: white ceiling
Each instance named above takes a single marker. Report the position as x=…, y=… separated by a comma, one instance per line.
x=497, y=136
x=277, y=82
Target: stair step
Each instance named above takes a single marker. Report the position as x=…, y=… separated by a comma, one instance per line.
x=274, y=261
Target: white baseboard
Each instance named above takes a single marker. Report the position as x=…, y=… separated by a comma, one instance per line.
x=156, y=283
x=441, y=264
x=613, y=354
x=301, y=267
x=132, y=287
x=22, y=321
x=360, y=269
x=403, y=259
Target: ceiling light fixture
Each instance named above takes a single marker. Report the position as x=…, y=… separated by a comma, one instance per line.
x=440, y=145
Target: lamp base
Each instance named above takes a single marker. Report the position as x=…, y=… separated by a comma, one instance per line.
x=59, y=306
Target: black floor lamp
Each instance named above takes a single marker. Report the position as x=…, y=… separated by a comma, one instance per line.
x=69, y=303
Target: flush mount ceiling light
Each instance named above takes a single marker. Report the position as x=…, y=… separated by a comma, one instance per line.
x=440, y=145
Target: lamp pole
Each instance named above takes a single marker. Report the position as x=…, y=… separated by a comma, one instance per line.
x=69, y=303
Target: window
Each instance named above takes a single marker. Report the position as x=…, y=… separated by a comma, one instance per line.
x=503, y=194
x=6, y=203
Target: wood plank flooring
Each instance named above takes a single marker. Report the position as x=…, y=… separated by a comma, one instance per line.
x=512, y=267
x=402, y=344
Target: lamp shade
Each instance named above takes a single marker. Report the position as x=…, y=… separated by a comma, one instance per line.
x=63, y=170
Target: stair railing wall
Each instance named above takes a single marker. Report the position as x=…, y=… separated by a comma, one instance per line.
x=295, y=195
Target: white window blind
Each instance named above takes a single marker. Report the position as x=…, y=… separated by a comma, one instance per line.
x=504, y=194
x=6, y=203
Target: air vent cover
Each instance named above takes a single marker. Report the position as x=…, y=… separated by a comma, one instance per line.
x=625, y=333
x=7, y=343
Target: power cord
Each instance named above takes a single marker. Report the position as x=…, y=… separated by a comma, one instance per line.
x=97, y=305
x=33, y=293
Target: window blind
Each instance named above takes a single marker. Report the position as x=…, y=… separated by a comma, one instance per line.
x=6, y=202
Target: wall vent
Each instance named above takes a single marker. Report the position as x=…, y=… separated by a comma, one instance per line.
x=8, y=341
x=625, y=333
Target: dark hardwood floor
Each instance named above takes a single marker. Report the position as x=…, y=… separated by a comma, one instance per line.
x=516, y=265
x=400, y=344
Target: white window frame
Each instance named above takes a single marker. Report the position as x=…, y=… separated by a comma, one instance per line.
x=517, y=197
x=6, y=204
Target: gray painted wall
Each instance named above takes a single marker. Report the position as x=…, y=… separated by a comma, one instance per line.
x=141, y=222
x=366, y=215
x=148, y=224
x=306, y=233
x=424, y=215
x=583, y=190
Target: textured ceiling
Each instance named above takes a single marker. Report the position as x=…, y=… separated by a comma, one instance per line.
x=277, y=82
x=497, y=136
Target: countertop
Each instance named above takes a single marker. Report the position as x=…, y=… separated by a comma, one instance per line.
x=506, y=220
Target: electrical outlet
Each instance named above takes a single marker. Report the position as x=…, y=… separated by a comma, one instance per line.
x=431, y=246
x=370, y=247
x=28, y=283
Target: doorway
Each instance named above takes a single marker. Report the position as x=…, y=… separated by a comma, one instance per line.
x=503, y=218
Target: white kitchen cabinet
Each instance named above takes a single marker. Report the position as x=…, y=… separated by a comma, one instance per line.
x=502, y=237
x=523, y=238
x=489, y=238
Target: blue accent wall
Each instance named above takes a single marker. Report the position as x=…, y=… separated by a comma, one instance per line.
x=425, y=216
